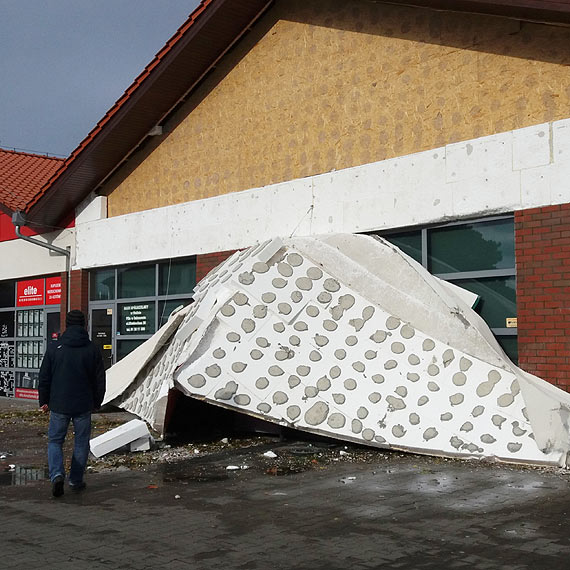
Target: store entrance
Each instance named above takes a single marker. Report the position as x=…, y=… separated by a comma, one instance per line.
x=102, y=332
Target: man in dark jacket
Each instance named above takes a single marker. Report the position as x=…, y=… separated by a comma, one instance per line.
x=71, y=386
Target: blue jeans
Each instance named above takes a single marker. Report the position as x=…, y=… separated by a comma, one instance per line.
x=58, y=424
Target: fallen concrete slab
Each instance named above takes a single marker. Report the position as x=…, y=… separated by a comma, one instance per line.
x=346, y=336
x=134, y=431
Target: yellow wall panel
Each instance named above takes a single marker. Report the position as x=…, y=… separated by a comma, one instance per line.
x=327, y=85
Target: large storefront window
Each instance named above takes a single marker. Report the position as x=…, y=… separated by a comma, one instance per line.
x=129, y=304
x=478, y=256
x=29, y=317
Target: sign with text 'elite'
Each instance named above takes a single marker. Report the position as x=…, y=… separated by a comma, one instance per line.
x=30, y=292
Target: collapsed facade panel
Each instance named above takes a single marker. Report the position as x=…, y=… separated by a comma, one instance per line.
x=346, y=336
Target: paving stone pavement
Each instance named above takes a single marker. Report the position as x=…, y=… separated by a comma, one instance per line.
x=410, y=513
x=394, y=511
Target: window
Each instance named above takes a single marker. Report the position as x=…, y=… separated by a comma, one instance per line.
x=478, y=256
x=124, y=347
x=102, y=285
x=7, y=293
x=137, y=281
x=471, y=247
x=177, y=277
x=139, y=299
x=165, y=308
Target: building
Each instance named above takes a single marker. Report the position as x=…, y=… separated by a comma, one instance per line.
x=30, y=278
x=443, y=126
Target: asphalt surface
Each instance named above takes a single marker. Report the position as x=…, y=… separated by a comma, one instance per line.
x=390, y=511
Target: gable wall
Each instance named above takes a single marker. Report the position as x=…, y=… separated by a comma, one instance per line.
x=323, y=85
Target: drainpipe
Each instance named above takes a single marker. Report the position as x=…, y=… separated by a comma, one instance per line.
x=19, y=220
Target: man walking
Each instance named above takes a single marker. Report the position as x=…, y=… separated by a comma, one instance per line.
x=71, y=386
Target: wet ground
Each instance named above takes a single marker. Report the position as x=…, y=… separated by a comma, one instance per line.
x=280, y=504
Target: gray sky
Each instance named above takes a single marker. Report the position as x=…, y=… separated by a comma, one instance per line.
x=65, y=62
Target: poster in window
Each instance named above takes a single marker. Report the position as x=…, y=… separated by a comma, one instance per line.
x=135, y=319
x=6, y=324
x=7, y=383
x=27, y=385
x=6, y=354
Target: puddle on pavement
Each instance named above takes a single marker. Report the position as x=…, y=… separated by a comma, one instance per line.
x=23, y=475
x=182, y=476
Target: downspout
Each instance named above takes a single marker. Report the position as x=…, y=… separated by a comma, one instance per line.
x=19, y=220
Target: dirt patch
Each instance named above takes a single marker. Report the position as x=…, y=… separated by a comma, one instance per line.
x=23, y=443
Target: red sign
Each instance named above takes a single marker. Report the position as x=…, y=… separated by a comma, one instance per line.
x=27, y=394
x=30, y=293
x=53, y=290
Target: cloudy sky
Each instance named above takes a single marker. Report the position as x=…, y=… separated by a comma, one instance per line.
x=65, y=62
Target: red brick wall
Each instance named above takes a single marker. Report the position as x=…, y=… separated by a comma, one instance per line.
x=542, y=246
x=205, y=263
x=79, y=294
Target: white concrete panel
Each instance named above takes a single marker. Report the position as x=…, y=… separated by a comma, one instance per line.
x=495, y=174
x=479, y=158
x=494, y=194
x=536, y=186
x=561, y=141
x=20, y=259
x=531, y=147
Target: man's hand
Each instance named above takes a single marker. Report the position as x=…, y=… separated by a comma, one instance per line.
x=44, y=408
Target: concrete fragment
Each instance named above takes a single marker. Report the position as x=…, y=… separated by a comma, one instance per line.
x=118, y=437
x=140, y=444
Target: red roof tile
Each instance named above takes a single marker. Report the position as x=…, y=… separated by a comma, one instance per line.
x=22, y=176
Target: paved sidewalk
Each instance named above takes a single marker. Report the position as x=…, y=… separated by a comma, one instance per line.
x=399, y=511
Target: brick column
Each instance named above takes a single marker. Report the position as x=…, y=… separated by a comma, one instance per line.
x=542, y=247
x=79, y=294
x=205, y=263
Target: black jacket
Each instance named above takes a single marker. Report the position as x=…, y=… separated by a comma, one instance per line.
x=72, y=375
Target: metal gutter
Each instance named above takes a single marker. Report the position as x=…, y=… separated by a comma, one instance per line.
x=19, y=220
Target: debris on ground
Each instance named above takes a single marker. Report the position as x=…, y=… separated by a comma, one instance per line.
x=134, y=433
x=206, y=460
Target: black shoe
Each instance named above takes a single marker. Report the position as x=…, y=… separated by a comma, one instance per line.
x=57, y=486
x=77, y=486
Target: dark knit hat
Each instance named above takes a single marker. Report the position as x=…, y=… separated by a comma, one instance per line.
x=75, y=317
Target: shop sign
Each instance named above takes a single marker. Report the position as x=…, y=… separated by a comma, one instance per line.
x=27, y=394
x=137, y=319
x=53, y=290
x=30, y=292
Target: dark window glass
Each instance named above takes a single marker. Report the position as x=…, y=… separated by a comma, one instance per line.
x=102, y=285
x=177, y=277
x=510, y=345
x=136, y=318
x=7, y=323
x=124, y=347
x=472, y=247
x=7, y=293
x=408, y=242
x=166, y=307
x=138, y=281
x=497, y=298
